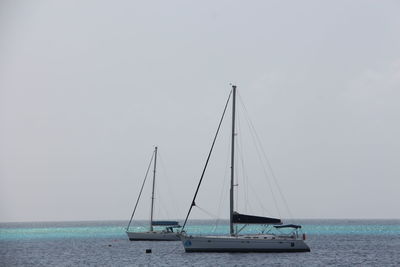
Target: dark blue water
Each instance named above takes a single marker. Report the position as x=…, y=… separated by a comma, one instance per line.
x=332, y=242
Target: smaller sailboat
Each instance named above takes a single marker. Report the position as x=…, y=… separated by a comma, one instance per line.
x=165, y=234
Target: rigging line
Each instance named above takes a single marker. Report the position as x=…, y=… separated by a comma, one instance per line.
x=141, y=189
x=272, y=171
x=247, y=184
x=223, y=194
x=244, y=176
x=241, y=158
x=208, y=158
x=252, y=133
x=259, y=201
x=207, y=212
x=174, y=202
x=268, y=179
x=162, y=212
x=262, y=165
x=237, y=155
x=236, y=203
x=246, y=180
x=266, y=159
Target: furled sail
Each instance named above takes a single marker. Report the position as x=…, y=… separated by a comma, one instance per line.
x=295, y=226
x=250, y=219
x=166, y=223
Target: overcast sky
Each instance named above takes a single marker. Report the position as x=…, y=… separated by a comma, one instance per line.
x=87, y=88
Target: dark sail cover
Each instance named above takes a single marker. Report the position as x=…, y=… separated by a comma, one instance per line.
x=250, y=219
x=288, y=226
x=165, y=223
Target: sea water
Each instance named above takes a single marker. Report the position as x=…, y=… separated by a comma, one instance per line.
x=332, y=242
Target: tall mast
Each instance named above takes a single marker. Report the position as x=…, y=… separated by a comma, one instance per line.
x=152, y=191
x=232, y=159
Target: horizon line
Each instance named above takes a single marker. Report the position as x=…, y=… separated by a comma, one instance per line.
x=197, y=219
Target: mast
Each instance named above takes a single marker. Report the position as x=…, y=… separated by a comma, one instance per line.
x=152, y=191
x=232, y=232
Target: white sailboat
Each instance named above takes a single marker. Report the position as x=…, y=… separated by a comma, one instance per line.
x=166, y=234
x=236, y=242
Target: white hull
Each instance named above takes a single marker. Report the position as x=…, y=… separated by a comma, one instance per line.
x=153, y=236
x=250, y=243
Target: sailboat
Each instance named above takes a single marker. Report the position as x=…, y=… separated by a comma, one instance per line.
x=166, y=234
x=235, y=241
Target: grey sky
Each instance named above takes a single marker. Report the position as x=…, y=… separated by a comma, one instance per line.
x=88, y=87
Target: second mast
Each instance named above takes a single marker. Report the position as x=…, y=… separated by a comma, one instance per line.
x=152, y=191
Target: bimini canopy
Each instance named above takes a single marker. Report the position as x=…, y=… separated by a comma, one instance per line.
x=295, y=226
x=250, y=219
x=166, y=223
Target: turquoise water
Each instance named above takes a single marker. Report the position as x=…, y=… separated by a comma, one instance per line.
x=332, y=242
x=10, y=231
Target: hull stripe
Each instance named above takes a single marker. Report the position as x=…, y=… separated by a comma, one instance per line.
x=241, y=250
